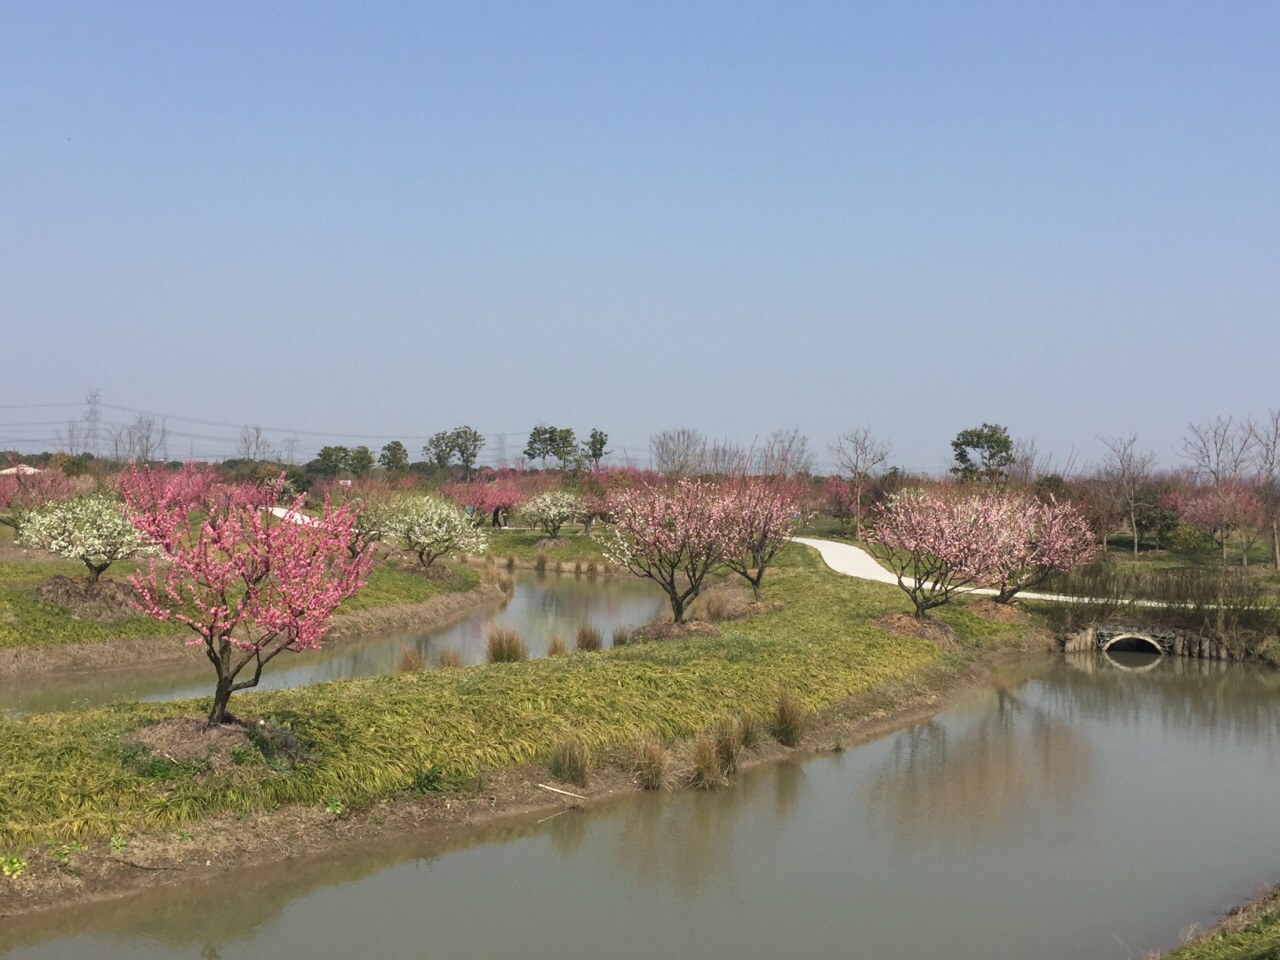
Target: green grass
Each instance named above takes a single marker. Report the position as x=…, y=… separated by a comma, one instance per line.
x=1260, y=940
x=388, y=584
x=27, y=622
x=521, y=545
x=74, y=776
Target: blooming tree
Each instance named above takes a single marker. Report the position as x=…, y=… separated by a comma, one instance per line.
x=1036, y=540
x=552, y=510
x=249, y=585
x=671, y=535
x=431, y=527
x=935, y=542
x=23, y=489
x=90, y=529
x=1232, y=509
x=761, y=515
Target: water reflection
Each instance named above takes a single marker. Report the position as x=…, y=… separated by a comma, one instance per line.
x=542, y=605
x=1025, y=822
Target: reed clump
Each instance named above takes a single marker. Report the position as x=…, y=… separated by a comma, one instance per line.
x=449, y=657
x=589, y=637
x=593, y=569
x=707, y=773
x=790, y=718
x=621, y=637
x=571, y=760
x=409, y=661
x=728, y=735
x=555, y=646
x=540, y=561
x=651, y=765
x=511, y=562
x=504, y=644
x=750, y=730
x=506, y=583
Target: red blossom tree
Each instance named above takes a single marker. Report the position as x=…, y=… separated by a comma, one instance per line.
x=249, y=586
x=935, y=542
x=760, y=517
x=672, y=535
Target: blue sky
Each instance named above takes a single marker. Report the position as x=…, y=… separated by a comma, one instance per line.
x=382, y=220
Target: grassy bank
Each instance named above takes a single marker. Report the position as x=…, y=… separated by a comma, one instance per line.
x=80, y=777
x=26, y=622
x=1248, y=932
x=523, y=545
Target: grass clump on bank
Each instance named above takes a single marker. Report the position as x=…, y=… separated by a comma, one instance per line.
x=77, y=775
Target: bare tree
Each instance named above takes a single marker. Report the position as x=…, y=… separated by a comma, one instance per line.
x=726, y=459
x=681, y=452
x=253, y=445
x=858, y=453
x=143, y=440
x=1126, y=471
x=1266, y=459
x=786, y=454
x=1220, y=451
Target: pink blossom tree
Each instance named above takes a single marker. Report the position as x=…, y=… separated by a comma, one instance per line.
x=23, y=489
x=673, y=535
x=761, y=516
x=1037, y=539
x=935, y=542
x=248, y=585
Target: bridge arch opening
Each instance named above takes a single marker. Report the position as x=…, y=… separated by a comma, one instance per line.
x=1131, y=643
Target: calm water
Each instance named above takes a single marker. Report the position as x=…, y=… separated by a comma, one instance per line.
x=1070, y=810
x=543, y=605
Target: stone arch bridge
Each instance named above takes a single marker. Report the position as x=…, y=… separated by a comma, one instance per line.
x=1118, y=637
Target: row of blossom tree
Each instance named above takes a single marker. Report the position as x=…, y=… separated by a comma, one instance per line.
x=252, y=579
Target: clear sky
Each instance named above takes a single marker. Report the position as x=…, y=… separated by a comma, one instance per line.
x=381, y=220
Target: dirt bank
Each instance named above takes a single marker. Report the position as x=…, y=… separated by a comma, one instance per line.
x=219, y=845
x=84, y=657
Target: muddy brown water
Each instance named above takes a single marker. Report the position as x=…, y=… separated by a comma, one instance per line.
x=1069, y=809
x=542, y=606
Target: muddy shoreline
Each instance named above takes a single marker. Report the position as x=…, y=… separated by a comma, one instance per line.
x=23, y=662
x=226, y=843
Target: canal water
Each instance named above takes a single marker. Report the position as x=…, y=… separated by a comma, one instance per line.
x=542, y=606
x=1084, y=808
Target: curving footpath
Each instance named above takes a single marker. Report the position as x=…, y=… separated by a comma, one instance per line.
x=855, y=562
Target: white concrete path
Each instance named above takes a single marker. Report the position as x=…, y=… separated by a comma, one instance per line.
x=855, y=562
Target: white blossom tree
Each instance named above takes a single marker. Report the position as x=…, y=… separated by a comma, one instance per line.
x=552, y=510
x=431, y=527
x=90, y=529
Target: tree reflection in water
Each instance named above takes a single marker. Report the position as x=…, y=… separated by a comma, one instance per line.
x=972, y=774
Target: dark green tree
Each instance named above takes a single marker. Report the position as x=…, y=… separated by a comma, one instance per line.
x=564, y=447
x=594, y=449
x=466, y=444
x=329, y=462
x=360, y=461
x=440, y=449
x=394, y=457
x=541, y=445
x=983, y=453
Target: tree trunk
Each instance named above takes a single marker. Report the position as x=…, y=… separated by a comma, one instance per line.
x=95, y=570
x=221, y=696
x=1275, y=543
x=1133, y=523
